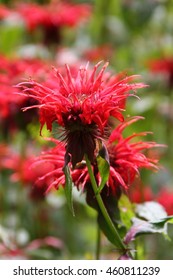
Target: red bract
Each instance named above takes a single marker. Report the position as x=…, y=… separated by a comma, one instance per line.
x=82, y=105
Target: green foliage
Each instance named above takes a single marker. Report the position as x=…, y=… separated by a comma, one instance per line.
x=151, y=218
x=11, y=38
x=103, y=167
x=68, y=188
x=126, y=211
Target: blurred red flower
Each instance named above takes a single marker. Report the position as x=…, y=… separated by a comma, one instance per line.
x=52, y=17
x=13, y=71
x=36, y=173
x=163, y=65
x=56, y=13
x=139, y=193
x=4, y=11
x=165, y=198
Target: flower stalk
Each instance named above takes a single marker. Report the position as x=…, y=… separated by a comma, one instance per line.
x=121, y=246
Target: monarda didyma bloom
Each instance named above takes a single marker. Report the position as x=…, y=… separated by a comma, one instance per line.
x=127, y=157
x=81, y=104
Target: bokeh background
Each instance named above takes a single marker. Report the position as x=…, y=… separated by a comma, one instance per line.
x=136, y=37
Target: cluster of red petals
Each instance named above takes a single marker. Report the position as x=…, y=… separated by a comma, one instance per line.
x=164, y=66
x=29, y=170
x=11, y=72
x=57, y=13
x=89, y=96
x=139, y=193
x=38, y=173
x=128, y=156
x=4, y=12
x=126, y=159
x=53, y=160
x=165, y=198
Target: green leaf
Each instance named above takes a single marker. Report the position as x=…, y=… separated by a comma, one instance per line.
x=126, y=210
x=104, y=227
x=68, y=188
x=152, y=219
x=151, y=211
x=141, y=227
x=11, y=37
x=103, y=167
x=111, y=204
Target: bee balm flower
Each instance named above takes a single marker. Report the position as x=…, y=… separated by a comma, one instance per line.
x=81, y=104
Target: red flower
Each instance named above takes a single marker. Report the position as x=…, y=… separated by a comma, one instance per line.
x=127, y=156
x=126, y=159
x=165, y=66
x=11, y=72
x=139, y=193
x=54, y=14
x=50, y=18
x=4, y=12
x=165, y=198
x=82, y=105
x=38, y=173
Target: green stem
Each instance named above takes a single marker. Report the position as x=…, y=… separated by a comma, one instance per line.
x=98, y=243
x=103, y=209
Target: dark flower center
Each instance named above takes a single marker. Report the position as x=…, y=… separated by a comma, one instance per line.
x=80, y=138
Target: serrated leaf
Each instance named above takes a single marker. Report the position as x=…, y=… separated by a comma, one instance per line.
x=103, y=167
x=68, y=188
x=126, y=210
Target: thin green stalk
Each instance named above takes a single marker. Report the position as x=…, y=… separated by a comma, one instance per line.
x=98, y=244
x=103, y=209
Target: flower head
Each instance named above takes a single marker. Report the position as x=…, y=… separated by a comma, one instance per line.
x=50, y=18
x=81, y=103
x=54, y=14
x=126, y=159
x=39, y=173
